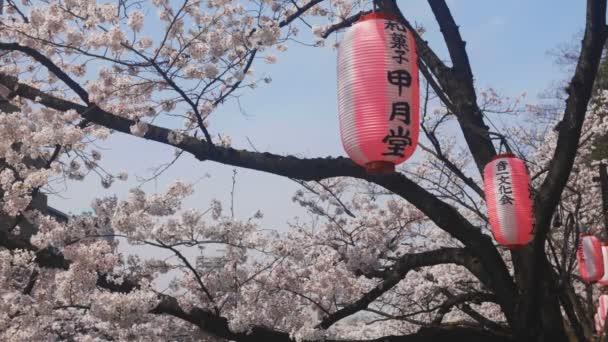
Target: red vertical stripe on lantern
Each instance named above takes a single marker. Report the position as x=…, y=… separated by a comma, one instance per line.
x=523, y=208
x=506, y=187
x=604, y=279
x=589, y=256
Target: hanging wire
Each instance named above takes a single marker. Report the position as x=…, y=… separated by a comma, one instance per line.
x=503, y=141
x=580, y=228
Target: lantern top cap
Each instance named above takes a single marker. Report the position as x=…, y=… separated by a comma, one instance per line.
x=504, y=155
x=377, y=15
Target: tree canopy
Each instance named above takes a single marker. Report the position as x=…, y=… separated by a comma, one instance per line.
x=407, y=256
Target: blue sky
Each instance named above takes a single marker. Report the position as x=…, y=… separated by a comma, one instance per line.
x=508, y=44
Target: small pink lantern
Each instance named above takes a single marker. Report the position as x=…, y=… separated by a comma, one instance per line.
x=602, y=309
x=378, y=92
x=604, y=279
x=589, y=256
x=599, y=325
x=506, y=185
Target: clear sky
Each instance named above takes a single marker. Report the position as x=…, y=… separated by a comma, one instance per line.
x=508, y=44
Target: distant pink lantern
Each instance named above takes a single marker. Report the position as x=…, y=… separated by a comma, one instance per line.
x=602, y=309
x=599, y=324
x=604, y=279
x=506, y=185
x=589, y=256
x=378, y=92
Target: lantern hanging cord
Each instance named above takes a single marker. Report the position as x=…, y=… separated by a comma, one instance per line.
x=580, y=229
x=503, y=142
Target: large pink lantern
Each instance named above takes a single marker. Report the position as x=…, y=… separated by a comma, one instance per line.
x=589, y=256
x=506, y=184
x=378, y=92
x=604, y=279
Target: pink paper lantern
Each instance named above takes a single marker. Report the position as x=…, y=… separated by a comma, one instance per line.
x=602, y=309
x=589, y=256
x=506, y=184
x=599, y=325
x=604, y=279
x=378, y=92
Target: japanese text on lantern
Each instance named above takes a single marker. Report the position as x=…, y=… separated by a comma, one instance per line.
x=398, y=139
x=504, y=183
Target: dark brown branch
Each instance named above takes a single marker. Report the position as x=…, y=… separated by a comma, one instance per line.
x=31, y=282
x=569, y=309
x=579, y=94
x=560, y=167
x=295, y=15
x=460, y=88
x=54, y=69
x=461, y=301
x=457, y=83
x=344, y=24
x=453, y=40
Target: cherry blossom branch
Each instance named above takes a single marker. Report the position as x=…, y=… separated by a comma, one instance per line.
x=218, y=325
x=40, y=58
x=295, y=15
x=237, y=83
x=443, y=215
x=333, y=194
x=343, y=24
x=16, y=8
x=174, y=86
x=462, y=299
x=194, y=272
x=398, y=272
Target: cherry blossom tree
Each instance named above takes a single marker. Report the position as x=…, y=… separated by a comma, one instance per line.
x=401, y=257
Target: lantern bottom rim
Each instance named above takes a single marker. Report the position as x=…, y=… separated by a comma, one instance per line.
x=379, y=168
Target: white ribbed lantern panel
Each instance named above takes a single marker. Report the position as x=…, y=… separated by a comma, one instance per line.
x=589, y=256
x=506, y=186
x=604, y=279
x=378, y=92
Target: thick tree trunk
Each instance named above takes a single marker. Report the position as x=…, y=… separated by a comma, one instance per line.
x=539, y=318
